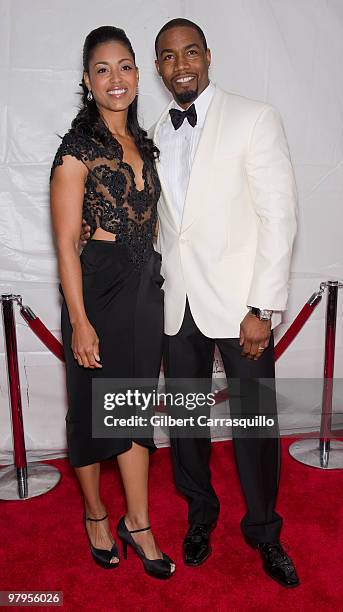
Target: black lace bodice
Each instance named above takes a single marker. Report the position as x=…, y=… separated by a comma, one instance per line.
x=111, y=199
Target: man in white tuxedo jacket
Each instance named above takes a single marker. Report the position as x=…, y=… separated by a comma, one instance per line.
x=227, y=221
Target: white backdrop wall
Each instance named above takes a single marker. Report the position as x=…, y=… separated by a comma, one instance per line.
x=285, y=52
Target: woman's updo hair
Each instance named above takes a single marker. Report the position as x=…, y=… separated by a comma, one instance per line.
x=88, y=120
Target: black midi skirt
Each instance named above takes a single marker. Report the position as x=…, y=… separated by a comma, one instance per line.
x=125, y=306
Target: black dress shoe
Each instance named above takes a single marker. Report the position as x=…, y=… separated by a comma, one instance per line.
x=196, y=545
x=278, y=565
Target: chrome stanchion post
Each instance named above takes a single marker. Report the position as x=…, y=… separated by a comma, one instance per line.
x=329, y=362
x=20, y=481
x=14, y=391
x=324, y=453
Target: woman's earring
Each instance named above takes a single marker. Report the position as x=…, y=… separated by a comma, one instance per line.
x=89, y=96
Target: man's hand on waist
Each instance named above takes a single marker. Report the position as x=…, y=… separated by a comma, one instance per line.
x=85, y=233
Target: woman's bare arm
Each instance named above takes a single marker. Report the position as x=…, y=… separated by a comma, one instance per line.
x=66, y=197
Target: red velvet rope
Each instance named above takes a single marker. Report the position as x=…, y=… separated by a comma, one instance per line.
x=294, y=329
x=56, y=347
x=287, y=338
x=42, y=332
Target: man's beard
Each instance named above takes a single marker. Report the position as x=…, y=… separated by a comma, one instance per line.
x=186, y=96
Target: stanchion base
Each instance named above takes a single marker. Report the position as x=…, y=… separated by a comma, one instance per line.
x=40, y=479
x=307, y=452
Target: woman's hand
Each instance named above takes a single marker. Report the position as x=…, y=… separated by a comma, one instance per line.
x=85, y=345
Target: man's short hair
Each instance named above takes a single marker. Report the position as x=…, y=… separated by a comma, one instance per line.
x=181, y=22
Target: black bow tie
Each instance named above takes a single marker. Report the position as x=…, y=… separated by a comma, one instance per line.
x=178, y=117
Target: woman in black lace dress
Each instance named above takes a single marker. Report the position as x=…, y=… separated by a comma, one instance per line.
x=112, y=311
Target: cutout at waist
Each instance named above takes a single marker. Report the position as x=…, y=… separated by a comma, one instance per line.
x=103, y=235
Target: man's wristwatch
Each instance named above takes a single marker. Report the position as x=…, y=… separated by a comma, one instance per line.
x=263, y=315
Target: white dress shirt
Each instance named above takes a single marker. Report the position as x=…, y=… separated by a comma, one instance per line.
x=178, y=148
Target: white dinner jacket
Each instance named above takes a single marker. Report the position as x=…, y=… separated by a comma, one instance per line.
x=234, y=246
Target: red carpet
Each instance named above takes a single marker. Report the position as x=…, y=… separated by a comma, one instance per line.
x=44, y=547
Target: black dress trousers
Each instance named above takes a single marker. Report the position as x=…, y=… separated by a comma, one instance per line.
x=190, y=354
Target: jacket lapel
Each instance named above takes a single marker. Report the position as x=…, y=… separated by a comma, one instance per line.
x=165, y=200
x=199, y=183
